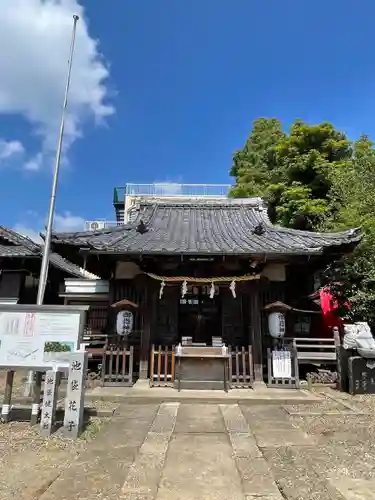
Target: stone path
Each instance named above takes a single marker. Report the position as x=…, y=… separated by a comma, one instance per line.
x=182, y=451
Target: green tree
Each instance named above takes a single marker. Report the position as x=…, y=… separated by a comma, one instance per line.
x=292, y=172
x=353, y=195
x=56, y=347
x=254, y=166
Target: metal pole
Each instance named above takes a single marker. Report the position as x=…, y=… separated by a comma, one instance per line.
x=47, y=243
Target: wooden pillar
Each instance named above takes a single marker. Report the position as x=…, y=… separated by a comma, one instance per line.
x=146, y=311
x=256, y=331
x=37, y=389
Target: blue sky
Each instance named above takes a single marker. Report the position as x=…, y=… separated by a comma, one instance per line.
x=173, y=94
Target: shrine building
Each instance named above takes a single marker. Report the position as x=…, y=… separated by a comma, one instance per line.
x=200, y=266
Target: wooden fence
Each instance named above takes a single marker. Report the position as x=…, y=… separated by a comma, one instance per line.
x=241, y=373
x=117, y=367
x=162, y=366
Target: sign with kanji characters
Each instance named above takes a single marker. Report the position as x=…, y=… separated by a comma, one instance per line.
x=281, y=364
x=48, y=408
x=361, y=375
x=39, y=336
x=74, y=401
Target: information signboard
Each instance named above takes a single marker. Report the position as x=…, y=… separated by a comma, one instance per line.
x=39, y=336
x=281, y=364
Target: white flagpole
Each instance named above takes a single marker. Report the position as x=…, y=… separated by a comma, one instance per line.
x=47, y=243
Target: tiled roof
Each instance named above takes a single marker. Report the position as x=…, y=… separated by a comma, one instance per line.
x=13, y=244
x=220, y=227
x=14, y=251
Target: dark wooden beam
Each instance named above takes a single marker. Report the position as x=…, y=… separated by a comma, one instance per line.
x=256, y=331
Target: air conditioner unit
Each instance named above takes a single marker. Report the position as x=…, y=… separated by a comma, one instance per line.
x=94, y=225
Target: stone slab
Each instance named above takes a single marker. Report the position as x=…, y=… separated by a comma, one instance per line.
x=144, y=475
x=154, y=395
x=200, y=466
x=244, y=445
x=199, y=418
x=233, y=418
x=256, y=477
x=165, y=419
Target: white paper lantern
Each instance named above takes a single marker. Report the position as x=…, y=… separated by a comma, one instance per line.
x=276, y=325
x=124, y=323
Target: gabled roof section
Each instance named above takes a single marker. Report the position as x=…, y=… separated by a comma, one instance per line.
x=230, y=226
x=13, y=244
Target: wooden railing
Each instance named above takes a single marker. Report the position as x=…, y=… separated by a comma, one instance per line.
x=162, y=366
x=117, y=367
x=241, y=373
x=316, y=350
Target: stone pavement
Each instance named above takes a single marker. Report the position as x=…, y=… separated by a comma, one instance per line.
x=258, y=394
x=184, y=451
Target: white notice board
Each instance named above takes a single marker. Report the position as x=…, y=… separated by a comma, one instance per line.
x=281, y=364
x=38, y=339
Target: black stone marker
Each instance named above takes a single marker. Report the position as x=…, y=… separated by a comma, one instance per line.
x=361, y=375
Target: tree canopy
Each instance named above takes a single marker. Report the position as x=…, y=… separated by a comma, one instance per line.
x=315, y=178
x=292, y=172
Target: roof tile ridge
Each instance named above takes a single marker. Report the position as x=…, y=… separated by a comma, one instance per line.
x=316, y=234
x=80, y=234
x=83, y=272
x=20, y=240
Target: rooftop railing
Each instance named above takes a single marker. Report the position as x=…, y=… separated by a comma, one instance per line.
x=96, y=225
x=171, y=189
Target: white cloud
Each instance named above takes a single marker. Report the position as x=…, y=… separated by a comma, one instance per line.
x=8, y=149
x=34, y=50
x=29, y=232
x=68, y=222
x=65, y=222
x=35, y=163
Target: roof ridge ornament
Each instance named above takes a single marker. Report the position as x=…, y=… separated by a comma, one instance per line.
x=141, y=228
x=259, y=229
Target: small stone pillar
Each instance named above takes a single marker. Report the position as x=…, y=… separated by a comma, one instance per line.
x=48, y=415
x=74, y=401
x=5, y=409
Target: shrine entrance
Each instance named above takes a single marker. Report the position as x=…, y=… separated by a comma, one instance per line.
x=200, y=314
